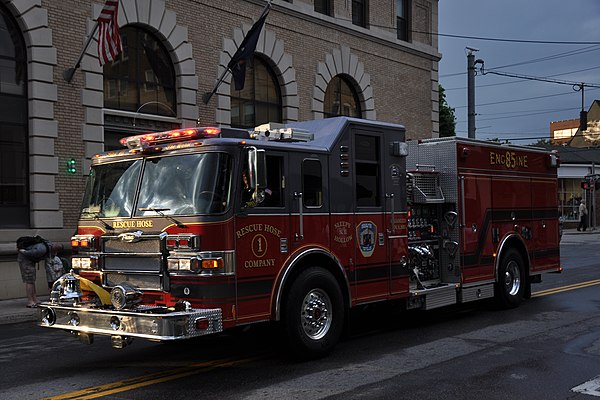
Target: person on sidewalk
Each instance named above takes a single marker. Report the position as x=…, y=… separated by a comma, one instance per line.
x=583, y=216
x=27, y=267
x=54, y=264
x=31, y=250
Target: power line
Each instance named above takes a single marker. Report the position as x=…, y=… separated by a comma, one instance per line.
x=519, y=80
x=527, y=111
x=536, y=60
x=523, y=115
x=524, y=99
x=517, y=100
x=507, y=40
x=553, y=57
x=541, y=79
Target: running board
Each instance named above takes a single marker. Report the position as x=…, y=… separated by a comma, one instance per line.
x=434, y=297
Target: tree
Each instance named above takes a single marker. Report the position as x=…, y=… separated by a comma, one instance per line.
x=447, y=118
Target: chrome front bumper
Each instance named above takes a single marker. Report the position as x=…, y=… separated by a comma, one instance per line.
x=152, y=323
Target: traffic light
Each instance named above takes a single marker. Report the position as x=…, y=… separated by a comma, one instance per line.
x=71, y=166
x=585, y=185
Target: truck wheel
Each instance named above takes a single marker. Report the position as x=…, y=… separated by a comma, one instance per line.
x=314, y=313
x=510, y=287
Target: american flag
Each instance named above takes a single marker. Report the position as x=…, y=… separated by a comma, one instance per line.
x=109, y=40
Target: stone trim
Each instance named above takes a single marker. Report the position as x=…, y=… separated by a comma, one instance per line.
x=157, y=18
x=43, y=128
x=273, y=50
x=435, y=100
x=343, y=62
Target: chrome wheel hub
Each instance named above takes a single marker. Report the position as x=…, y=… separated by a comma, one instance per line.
x=316, y=314
x=512, y=278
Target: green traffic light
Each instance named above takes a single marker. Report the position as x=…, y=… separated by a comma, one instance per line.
x=71, y=166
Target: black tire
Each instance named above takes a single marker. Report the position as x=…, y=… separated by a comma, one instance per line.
x=314, y=313
x=511, y=283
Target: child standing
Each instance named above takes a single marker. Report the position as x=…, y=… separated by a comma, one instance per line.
x=54, y=265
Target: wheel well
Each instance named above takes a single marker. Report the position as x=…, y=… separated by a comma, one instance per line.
x=293, y=270
x=517, y=244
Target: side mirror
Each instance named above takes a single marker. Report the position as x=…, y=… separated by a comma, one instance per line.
x=257, y=172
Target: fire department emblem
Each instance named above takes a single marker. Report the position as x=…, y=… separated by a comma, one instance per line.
x=366, y=233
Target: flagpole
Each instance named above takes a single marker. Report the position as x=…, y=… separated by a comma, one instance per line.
x=68, y=73
x=208, y=95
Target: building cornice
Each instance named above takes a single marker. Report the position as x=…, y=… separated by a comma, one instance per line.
x=346, y=26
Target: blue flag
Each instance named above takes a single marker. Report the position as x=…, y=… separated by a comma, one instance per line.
x=237, y=64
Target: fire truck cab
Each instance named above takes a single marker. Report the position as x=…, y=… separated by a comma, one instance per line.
x=190, y=232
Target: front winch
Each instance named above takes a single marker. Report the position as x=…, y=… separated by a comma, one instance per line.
x=125, y=295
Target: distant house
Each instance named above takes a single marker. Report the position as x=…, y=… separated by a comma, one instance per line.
x=562, y=132
x=591, y=136
x=575, y=164
x=579, y=157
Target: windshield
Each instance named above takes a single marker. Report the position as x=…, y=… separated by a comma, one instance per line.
x=111, y=189
x=175, y=185
x=189, y=184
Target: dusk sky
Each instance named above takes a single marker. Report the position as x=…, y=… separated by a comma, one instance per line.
x=512, y=108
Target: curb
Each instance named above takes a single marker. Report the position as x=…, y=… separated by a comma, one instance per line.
x=18, y=317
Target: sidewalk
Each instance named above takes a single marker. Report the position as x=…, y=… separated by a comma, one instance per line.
x=574, y=231
x=14, y=310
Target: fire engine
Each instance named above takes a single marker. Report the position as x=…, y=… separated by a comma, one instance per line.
x=195, y=231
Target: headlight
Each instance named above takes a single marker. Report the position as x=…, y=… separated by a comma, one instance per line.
x=203, y=263
x=183, y=264
x=84, y=262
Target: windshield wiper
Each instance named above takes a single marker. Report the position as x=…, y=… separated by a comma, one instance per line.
x=97, y=218
x=160, y=212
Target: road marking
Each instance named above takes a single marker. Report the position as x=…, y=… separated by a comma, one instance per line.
x=566, y=288
x=151, y=379
x=591, y=388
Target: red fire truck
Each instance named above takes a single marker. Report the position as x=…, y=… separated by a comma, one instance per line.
x=194, y=231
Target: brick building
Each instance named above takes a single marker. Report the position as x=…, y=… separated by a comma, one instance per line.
x=314, y=59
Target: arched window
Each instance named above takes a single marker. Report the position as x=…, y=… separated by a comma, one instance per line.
x=14, y=171
x=259, y=101
x=142, y=77
x=341, y=99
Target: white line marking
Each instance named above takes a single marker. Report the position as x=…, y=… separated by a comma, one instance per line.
x=590, y=387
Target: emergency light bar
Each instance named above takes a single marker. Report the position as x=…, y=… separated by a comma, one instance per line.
x=278, y=132
x=178, y=135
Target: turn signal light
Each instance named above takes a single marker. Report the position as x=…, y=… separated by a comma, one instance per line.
x=212, y=263
x=83, y=242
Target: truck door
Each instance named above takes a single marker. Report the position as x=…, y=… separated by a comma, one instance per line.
x=372, y=266
x=261, y=235
x=396, y=219
x=309, y=196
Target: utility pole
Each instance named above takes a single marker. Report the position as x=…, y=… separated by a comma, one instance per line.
x=592, y=208
x=582, y=114
x=471, y=91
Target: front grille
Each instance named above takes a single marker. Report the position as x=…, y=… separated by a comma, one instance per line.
x=150, y=244
x=139, y=262
x=132, y=263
